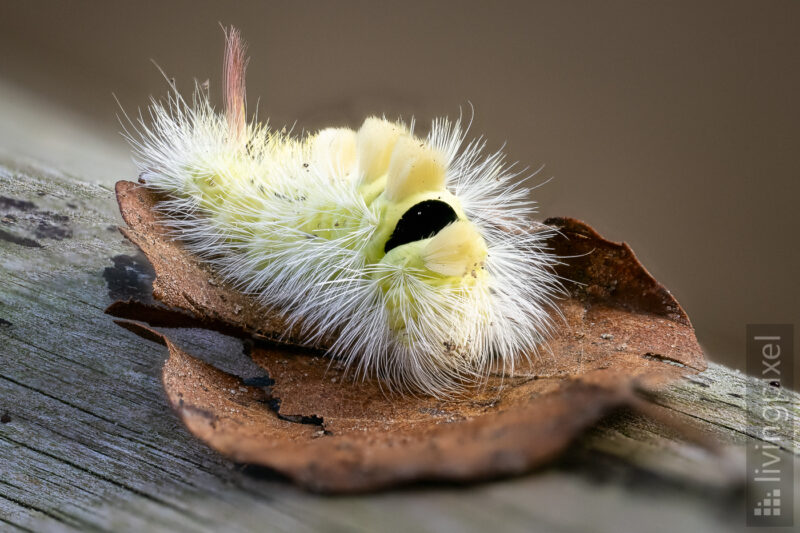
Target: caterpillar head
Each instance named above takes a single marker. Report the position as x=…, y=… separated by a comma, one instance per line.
x=435, y=290
x=424, y=246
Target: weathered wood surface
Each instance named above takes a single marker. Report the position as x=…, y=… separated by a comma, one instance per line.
x=88, y=443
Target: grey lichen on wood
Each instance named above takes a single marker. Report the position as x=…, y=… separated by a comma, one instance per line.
x=89, y=443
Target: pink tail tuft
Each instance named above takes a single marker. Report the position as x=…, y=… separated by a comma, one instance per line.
x=233, y=78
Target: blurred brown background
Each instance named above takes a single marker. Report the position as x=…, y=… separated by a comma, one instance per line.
x=670, y=125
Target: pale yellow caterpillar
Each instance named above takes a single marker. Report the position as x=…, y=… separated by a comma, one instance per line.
x=414, y=253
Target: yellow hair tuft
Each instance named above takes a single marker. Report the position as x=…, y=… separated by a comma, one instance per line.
x=457, y=250
x=415, y=167
x=375, y=141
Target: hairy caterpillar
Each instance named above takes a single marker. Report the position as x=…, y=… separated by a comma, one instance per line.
x=415, y=254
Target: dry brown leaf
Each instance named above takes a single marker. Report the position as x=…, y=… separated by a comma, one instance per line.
x=621, y=331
